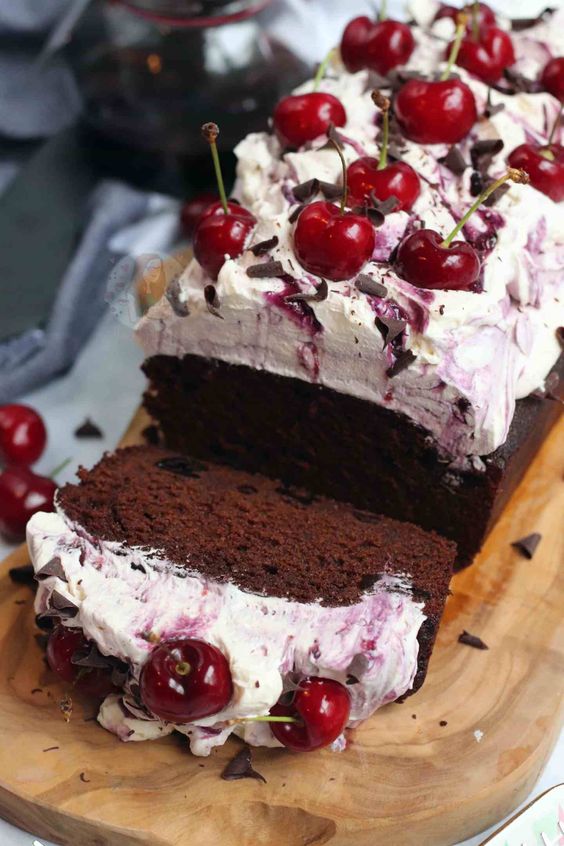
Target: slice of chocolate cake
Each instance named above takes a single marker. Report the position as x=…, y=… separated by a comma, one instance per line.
x=152, y=548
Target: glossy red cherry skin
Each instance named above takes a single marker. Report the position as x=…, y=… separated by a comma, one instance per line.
x=333, y=245
x=192, y=211
x=487, y=56
x=22, y=434
x=379, y=46
x=22, y=493
x=545, y=174
x=486, y=16
x=323, y=708
x=552, y=78
x=441, y=112
x=63, y=643
x=423, y=262
x=186, y=680
x=353, y=43
x=397, y=179
x=218, y=235
x=300, y=118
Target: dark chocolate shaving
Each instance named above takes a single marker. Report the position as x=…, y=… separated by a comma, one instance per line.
x=265, y=270
x=482, y=152
x=374, y=215
x=212, y=300
x=183, y=465
x=520, y=24
x=454, y=161
x=384, y=206
x=90, y=658
x=471, y=640
x=490, y=109
x=306, y=190
x=368, y=581
x=404, y=359
x=476, y=183
x=527, y=546
x=172, y=293
x=88, y=430
x=54, y=567
x=366, y=285
x=59, y=607
x=23, y=575
x=321, y=293
x=518, y=83
x=264, y=247
x=330, y=190
x=390, y=328
x=241, y=767
x=443, y=723
x=84, y=779
x=296, y=213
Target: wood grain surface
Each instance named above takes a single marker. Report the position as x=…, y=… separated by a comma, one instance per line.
x=448, y=762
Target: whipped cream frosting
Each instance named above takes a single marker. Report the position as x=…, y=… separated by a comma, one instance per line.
x=476, y=352
x=129, y=597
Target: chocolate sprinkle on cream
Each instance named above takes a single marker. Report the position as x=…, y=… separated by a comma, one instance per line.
x=482, y=153
x=375, y=216
x=471, y=640
x=454, y=161
x=172, y=293
x=23, y=575
x=182, y=465
x=306, y=190
x=404, y=359
x=91, y=658
x=241, y=767
x=212, y=300
x=520, y=24
x=88, y=430
x=390, y=328
x=321, y=293
x=386, y=206
x=527, y=546
x=54, y=567
x=366, y=285
x=264, y=247
x=519, y=83
x=296, y=213
x=266, y=270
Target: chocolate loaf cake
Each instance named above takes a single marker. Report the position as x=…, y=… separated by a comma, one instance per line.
x=152, y=547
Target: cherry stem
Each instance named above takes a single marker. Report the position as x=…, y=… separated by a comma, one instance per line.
x=383, y=11
x=512, y=174
x=475, y=20
x=59, y=468
x=337, y=146
x=183, y=668
x=384, y=104
x=210, y=131
x=455, y=49
x=322, y=69
x=555, y=126
x=267, y=718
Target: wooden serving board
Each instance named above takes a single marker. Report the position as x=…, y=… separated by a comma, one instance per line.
x=407, y=778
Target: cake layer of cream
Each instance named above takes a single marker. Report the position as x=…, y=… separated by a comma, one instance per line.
x=474, y=351
x=128, y=599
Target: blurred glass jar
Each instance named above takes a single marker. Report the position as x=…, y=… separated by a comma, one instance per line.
x=152, y=71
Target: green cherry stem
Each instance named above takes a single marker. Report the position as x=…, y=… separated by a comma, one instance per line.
x=59, y=468
x=322, y=69
x=461, y=21
x=512, y=174
x=383, y=11
x=210, y=131
x=267, y=718
x=384, y=104
x=332, y=140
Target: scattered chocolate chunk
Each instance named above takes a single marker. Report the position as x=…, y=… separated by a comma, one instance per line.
x=212, y=300
x=527, y=546
x=373, y=214
x=88, y=430
x=357, y=668
x=59, y=607
x=306, y=190
x=266, y=270
x=51, y=748
x=490, y=109
x=518, y=83
x=241, y=767
x=482, y=153
x=403, y=360
x=330, y=190
x=321, y=293
x=520, y=24
x=366, y=285
x=390, y=328
x=139, y=567
x=151, y=434
x=296, y=213
x=54, y=567
x=91, y=658
x=173, y=294
x=454, y=161
x=384, y=206
x=44, y=623
x=443, y=723
x=183, y=465
x=23, y=575
x=471, y=640
x=264, y=247
x=476, y=183
x=414, y=716
x=84, y=779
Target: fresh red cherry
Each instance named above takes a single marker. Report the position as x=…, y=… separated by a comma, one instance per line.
x=545, y=166
x=485, y=17
x=303, y=117
x=552, y=78
x=379, y=46
x=186, y=680
x=488, y=55
x=333, y=244
x=192, y=211
x=321, y=707
x=62, y=645
x=426, y=260
x=22, y=493
x=22, y=434
x=441, y=112
x=221, y=234
x=224, y=227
